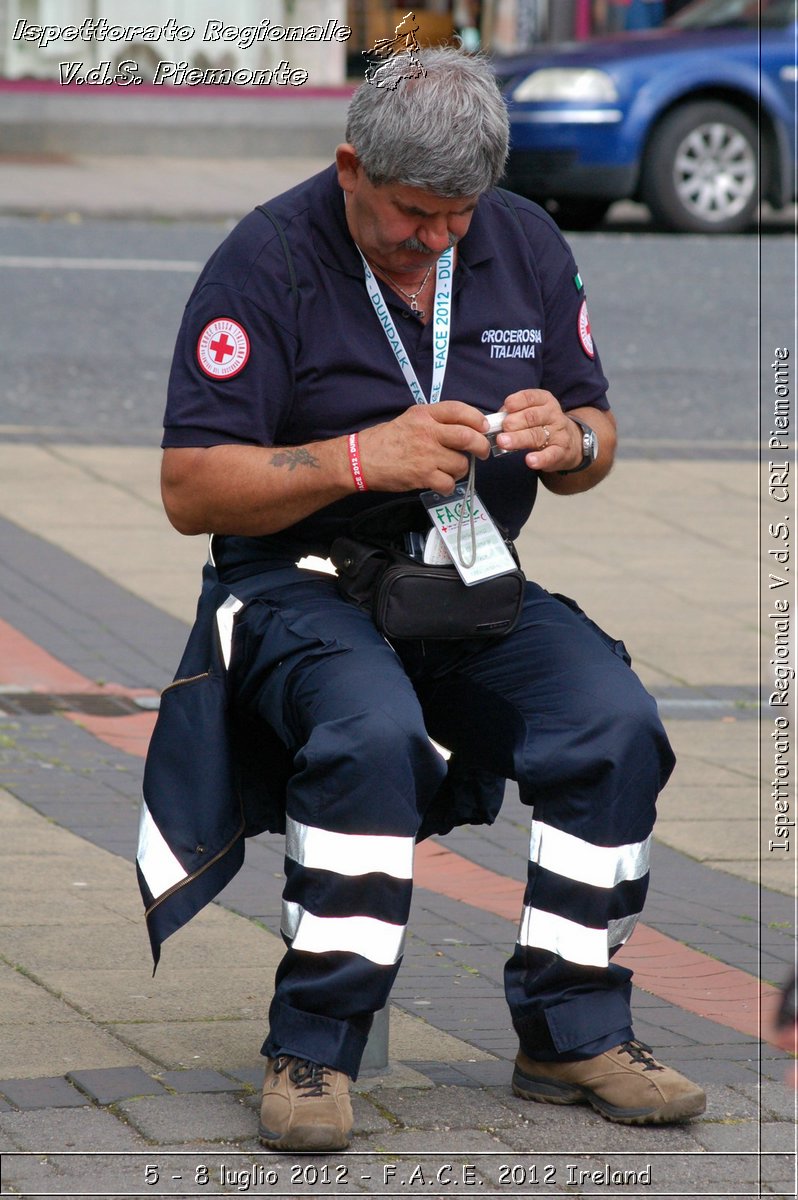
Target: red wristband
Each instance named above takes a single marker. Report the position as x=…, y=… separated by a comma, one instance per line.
x=354, y=463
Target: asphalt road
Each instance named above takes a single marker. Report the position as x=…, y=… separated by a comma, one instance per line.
x=686, y=328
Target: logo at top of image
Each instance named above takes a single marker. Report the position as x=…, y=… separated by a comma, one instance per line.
x=393, y=59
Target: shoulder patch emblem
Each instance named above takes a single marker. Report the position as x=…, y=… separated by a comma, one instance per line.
x=583, y=326
x=222, y=348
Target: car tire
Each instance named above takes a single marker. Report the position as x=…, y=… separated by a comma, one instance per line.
x=578, y=212
x=701, y=170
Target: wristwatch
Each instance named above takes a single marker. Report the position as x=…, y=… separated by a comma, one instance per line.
x=590, y=447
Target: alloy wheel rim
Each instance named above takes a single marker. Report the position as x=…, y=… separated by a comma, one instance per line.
x=715, y=172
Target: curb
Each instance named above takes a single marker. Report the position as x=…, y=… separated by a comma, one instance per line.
x=209, y=122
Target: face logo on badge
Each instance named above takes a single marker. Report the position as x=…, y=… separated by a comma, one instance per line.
x=223, y=348
x=585, y=336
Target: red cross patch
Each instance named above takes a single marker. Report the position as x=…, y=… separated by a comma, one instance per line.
x=585, y=336
x=223, y=348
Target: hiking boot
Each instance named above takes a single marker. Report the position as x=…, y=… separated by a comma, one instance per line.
x=625, y=1084
x=305, y=1106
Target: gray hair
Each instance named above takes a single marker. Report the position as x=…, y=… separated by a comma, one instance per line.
x=443, y=128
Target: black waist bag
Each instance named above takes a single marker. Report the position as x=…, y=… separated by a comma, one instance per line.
x=408, y=599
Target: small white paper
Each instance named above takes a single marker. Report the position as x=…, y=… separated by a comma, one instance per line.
x=435, y=552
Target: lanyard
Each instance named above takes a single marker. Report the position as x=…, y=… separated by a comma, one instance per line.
x=441, y=325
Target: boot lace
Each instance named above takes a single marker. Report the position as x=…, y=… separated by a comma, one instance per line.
x=639, y=1052
x=308, y=1077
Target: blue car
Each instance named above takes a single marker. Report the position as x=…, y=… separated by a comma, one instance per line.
x=696, y=119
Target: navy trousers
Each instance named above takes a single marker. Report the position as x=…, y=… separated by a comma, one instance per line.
x=553, y=705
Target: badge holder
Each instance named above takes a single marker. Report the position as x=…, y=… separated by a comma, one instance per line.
x=488, y=555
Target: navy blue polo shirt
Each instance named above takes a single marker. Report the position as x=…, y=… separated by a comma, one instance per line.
x=254, y=366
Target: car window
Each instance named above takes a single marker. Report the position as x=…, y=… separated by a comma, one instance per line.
x=743, y=14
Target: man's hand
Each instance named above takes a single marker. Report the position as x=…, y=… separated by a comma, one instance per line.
x=427, y=446
x=535, y=422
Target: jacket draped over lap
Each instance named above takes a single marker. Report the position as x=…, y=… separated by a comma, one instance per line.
x=215, y=776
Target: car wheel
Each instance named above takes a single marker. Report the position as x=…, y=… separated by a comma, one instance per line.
x=701, y=171
x=578, y=212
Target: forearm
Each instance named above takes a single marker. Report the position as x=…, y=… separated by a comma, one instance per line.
x=604, y=425
x=252, y=490
x=257, y=490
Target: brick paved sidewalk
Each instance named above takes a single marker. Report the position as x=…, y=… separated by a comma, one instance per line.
x=165, y=1072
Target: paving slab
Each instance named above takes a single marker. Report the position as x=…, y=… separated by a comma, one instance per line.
x=65, y=1129
x=106, y=1087
x=29, y=1094
x=198, y=1079
x=188, y=1119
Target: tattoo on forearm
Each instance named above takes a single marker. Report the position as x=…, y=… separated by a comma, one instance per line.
x=294, y=458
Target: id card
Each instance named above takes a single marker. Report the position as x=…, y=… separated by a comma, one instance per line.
x=447, y=512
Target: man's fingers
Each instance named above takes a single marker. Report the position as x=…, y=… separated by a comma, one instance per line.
x=538, y=436
x=455, y=465
x=536, y=424
x=456, y=412
x=464, y=439
x=535, y=418
x=529, y=398
x=444, y=484
x=551, y=458
x=467, y=436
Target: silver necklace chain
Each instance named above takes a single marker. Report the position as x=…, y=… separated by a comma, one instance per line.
x=411, y=296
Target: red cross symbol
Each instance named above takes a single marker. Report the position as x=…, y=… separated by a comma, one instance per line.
x=222, y=348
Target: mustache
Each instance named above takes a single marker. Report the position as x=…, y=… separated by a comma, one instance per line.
x=418, y=247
